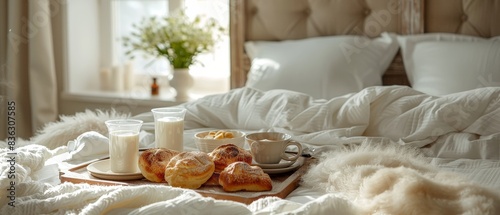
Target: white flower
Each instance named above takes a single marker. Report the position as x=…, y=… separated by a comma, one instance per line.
x=175, y=37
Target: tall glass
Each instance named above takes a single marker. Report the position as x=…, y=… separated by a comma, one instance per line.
x=124, y=145
x=169, y=127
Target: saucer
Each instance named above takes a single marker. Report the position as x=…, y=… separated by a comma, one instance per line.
x=281, y=164
x=101, y=169
x=294, y=166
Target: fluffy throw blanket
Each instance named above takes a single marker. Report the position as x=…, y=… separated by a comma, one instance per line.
x=69, y=128
x=397, y=180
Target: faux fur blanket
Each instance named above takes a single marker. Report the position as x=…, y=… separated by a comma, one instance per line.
x=397, y=180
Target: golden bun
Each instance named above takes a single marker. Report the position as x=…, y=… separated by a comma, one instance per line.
x=152, y=163
x=189, y=170
x=226, y=154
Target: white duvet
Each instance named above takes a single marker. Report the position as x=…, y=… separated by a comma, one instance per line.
x=458, y=134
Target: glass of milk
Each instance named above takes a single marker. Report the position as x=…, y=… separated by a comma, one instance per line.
x=124, y=145
x=169, y=127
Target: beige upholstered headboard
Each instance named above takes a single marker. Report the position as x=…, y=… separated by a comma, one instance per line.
x=470, y=17
x=275, y=20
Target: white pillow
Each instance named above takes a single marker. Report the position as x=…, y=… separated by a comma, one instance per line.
x=440, y=63
x=323, y=67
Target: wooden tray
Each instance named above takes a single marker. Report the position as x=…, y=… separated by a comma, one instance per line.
x=283, y=183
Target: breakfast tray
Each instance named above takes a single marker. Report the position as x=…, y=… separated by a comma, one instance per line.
x=283, y=183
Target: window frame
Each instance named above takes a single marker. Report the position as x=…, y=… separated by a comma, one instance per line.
x=78, y=79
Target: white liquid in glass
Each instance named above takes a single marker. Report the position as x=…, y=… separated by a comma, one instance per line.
x=124, y=151
x=169, y=133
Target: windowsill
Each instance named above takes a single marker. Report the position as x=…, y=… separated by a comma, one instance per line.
x=165, y=98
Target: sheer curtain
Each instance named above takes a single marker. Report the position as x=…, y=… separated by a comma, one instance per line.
x=28, y=80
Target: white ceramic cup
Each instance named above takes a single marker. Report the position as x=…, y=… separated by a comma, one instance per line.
x=169, y=127
x=124, y=145
x=269, y=147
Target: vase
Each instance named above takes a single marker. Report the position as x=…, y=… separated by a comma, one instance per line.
x=182, y=81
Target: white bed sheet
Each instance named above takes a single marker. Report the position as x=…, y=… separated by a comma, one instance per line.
x=459, y=132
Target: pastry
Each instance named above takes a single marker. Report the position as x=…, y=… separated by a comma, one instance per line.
x=242, y=176
x=226, y=154
x=189, y=170
x=152, y=163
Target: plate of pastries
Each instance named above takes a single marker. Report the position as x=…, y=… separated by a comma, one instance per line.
x=228, y=166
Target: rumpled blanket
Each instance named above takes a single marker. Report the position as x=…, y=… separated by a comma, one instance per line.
x=463, y=125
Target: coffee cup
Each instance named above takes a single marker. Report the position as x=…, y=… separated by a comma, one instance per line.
x=270, y=147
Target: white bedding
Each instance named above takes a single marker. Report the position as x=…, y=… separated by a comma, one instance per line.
x=456, y=133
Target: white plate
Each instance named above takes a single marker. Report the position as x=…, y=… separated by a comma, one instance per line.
x=281, y=164
x=101, y=169
x=294, y=166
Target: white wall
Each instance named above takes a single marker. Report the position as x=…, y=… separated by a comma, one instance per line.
x=82, y=47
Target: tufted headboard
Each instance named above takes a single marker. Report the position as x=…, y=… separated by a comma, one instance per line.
x=470, y=17
x=275, y=20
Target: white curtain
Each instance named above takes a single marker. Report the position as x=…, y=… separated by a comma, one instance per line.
x=28, y=80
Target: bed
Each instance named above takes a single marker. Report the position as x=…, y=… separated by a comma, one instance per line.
x=389, y=132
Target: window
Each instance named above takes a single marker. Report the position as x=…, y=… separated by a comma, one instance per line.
x=95, y=49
